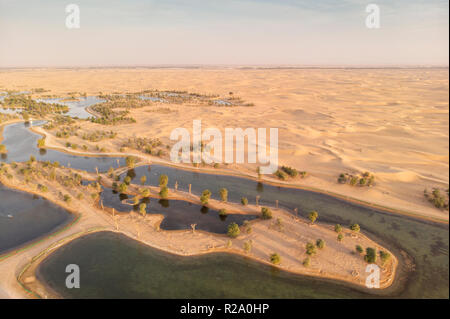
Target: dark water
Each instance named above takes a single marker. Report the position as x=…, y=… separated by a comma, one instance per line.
x=21, y=143
x=178, y=214
x=114, y=266
x=427, y=243
x=24, y=217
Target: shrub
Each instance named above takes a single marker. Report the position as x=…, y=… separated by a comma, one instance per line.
x=320, y=243
x=143, y=179
x=233, y=230
x=266, y=213
x=290, y=171
x=2, y=148
x=385, y=256
x=359, y=249
x=342, y=179
x=67, y=198
x=310, y=249
x=127, y=180
x=437, y=199
x=306, y=262
x=371, y=255
x=337, y=228
x=281, y=175
x=275, y=259
x=313, y=216
x=355, y=228
x=340, y=237
x=248, y=246
x=244, y=201
x=223, y=212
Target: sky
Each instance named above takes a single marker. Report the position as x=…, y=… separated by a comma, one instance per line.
x=33, y=33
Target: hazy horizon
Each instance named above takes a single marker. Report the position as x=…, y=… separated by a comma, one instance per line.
x=300, y=33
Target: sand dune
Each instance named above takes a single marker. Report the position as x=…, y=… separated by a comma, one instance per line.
x=391, y=122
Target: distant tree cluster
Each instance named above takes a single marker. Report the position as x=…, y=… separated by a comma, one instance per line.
x=146, y=145
x=366, y=179
x=437, y=198
x=32, y=107
x=285, y=171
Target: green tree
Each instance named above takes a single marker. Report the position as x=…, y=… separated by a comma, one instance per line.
x=143, y=209
x=340, y=237
x=233, y=230
x=206, y=195
x=143, y=179
x=123, y=188
x=223, y=194
x=371, y=255
x=337, y=228
x=127, y=180
x=244, y=201
x=130, y=161
x=2, y=148
x=164, y=192
x=355, y=228
x=145, y=192
x=223, y=212
x=41, y=143
x=163, y=180
x=313, y=216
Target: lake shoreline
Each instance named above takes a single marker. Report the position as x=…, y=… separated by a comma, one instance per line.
x=184, y=234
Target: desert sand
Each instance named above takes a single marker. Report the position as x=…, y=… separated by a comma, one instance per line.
x=391, y=122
